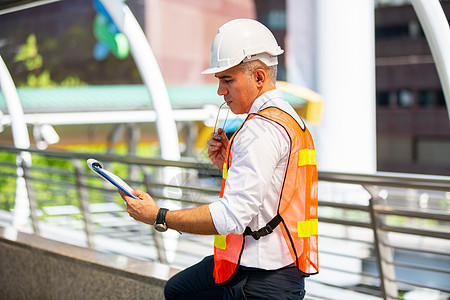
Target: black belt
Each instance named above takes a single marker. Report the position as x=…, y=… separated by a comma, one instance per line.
x=263, y=270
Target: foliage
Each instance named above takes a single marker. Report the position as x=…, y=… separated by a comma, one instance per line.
x=37, y=76
x=72, y=81
x=7, y=183
x=28, y=54
x=58, y=187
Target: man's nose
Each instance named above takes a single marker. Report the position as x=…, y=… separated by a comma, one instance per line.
x=221, y=90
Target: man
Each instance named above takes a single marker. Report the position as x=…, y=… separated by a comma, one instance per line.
x=265, y=224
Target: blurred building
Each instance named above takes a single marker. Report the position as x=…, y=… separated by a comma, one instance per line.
x=273, y=15
x=413, y=129
x=413, y=132
x=181, y=32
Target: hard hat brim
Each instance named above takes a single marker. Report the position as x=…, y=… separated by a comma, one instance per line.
x=266, y=58
x=215, y=70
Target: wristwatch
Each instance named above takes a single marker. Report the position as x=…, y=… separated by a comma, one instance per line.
x=160, y=223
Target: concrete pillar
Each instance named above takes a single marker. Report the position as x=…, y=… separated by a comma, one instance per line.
x=332, y=48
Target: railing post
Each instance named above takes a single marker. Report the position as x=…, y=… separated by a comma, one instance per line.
x=84, y=202
x=31, y=197
x=157, y=237
x=384, y=253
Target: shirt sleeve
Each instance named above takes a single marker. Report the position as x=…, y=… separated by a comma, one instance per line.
x=257, y=150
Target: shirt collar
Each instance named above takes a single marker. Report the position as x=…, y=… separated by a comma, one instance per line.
x=265, y=100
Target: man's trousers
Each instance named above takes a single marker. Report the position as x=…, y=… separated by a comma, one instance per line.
x=197, y=282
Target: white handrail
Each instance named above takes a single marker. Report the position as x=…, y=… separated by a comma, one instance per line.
x=21, y=140
x=437, y=31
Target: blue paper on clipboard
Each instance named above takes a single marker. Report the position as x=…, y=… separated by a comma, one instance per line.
x=97, y=168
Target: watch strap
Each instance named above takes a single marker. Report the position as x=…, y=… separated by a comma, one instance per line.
x=161, y=216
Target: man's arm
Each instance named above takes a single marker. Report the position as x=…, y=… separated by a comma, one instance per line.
x=196, y=220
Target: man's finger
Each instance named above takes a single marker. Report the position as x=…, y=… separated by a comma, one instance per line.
x=138, y=193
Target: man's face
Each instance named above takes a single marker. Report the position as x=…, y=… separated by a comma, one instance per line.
x=237, y=90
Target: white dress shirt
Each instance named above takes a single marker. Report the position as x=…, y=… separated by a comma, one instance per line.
x=253, y=186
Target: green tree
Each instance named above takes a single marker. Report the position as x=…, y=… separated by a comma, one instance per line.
x=37, y=77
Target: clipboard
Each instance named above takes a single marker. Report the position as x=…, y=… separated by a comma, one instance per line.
x=97, y=168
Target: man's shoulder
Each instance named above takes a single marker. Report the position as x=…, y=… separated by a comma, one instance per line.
x=282, y=114
x=262, y=128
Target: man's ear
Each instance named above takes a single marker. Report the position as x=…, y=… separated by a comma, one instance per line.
x=260, y=76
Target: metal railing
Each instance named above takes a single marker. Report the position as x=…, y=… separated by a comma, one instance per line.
x=380, y=236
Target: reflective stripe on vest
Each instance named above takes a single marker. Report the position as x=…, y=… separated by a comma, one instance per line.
x=307, y=228
x=220, y=241
x=306, y=157
x=297, y=207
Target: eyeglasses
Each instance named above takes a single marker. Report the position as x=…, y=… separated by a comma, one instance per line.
x=217, y=119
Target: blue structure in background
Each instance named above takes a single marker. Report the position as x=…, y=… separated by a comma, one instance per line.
x=109, y=37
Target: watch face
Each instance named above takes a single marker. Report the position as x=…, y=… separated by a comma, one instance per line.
x=161, y=227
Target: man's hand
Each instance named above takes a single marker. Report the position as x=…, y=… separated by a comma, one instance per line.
x=218, y=147
x=143, y=209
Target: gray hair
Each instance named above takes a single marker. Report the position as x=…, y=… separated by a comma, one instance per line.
x=251, y=66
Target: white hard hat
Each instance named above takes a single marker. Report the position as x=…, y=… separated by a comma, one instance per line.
x=242, y=40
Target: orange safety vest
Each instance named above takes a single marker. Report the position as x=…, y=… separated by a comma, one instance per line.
x=297, y=209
